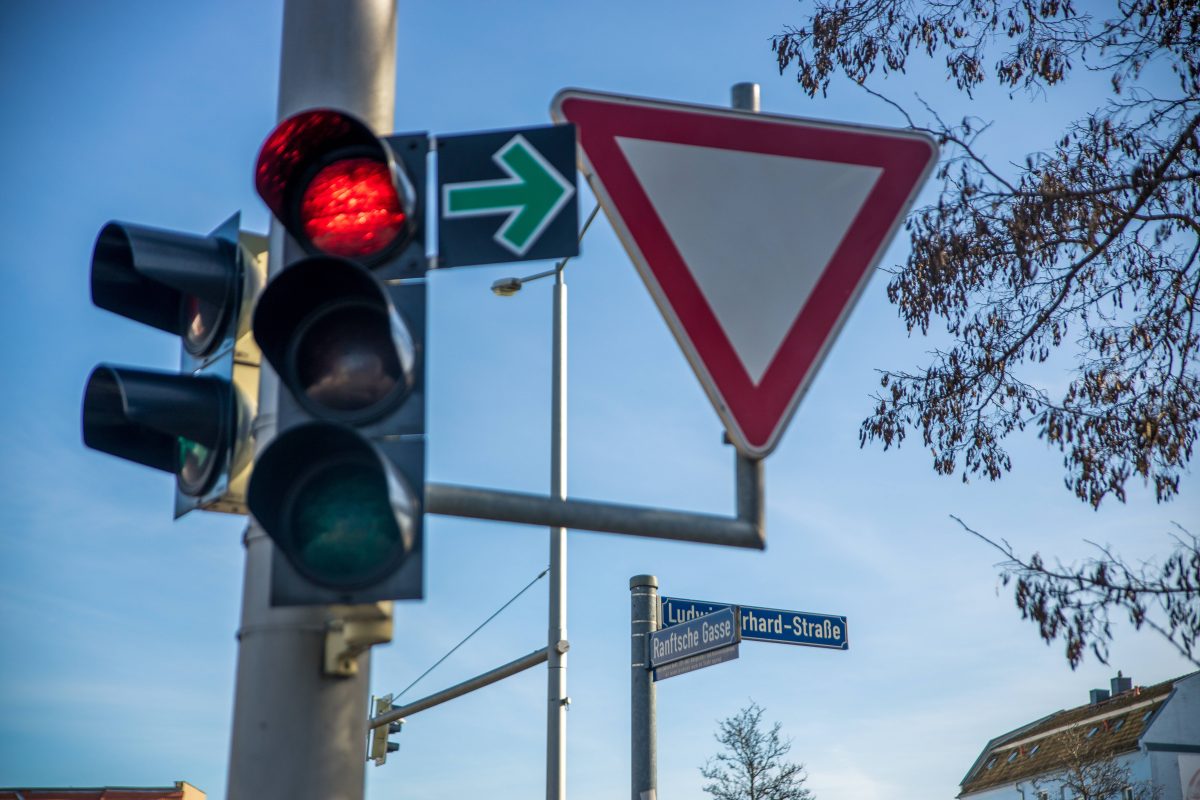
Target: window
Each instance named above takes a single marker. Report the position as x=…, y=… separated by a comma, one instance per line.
x=1093, y=731
x=1043, y=795
x=1033, y=750
x=991, y=763
x=1013, y=756
x=1127, y=793
x=1117, y=725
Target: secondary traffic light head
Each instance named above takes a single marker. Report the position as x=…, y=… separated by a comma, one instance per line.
x=180, y=283
x=174, y=423
x=194, y=423
x=340, y=488
x=381, y=745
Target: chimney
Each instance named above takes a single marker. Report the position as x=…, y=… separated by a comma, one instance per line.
x=1098, y=696
x=1120, y=684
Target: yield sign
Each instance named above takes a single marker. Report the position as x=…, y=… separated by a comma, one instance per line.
x=754, y=233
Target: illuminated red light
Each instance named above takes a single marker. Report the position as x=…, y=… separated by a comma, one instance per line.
x=350, y=208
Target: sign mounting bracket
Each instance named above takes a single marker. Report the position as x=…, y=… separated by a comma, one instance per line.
x=746, y=529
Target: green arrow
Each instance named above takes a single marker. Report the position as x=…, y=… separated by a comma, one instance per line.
x=531, y=196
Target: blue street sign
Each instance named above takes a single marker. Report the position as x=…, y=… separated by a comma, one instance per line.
x=698, y=635
x=727, y=653
x=764, y=624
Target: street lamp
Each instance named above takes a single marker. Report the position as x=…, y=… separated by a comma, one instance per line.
x=557, y=644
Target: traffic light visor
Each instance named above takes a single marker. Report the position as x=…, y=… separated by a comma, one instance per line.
x=174, y=423
x=177, y=282
x=335, y=186
x=344, y=520
x=328, y=328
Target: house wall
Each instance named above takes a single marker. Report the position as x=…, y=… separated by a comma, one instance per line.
x=1176, y=726
x=1178, y=722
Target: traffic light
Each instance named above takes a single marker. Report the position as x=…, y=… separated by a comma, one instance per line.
x=194, y=423
x=340, y=489
x=380, y=744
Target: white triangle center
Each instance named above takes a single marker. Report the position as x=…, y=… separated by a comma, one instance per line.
x=756, y=231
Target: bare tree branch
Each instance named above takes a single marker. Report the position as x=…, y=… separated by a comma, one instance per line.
x=1074, y=601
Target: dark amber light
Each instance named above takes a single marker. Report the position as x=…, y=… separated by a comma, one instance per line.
x=350, y=208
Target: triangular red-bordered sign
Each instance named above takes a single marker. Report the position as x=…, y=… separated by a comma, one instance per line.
x=754, y=233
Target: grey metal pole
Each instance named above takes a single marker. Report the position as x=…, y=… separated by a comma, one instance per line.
x=643, y=590
x=556, y=645
x=297, y=733
x=459, y=689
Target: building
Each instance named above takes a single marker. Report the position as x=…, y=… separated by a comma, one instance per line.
x=1125, y=740
x=182, y=790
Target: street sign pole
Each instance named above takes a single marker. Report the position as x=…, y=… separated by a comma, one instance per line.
x=643, y=709
x=298, y=732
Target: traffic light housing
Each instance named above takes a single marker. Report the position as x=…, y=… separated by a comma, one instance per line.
x=193, y=423
x=381, y=745
x=340, y=489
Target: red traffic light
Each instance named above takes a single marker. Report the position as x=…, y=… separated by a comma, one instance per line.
x=335, y=186
x=350, y=208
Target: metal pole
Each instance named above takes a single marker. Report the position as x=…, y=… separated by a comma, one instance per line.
x=297, y=733
x=458, y=690
x=556, y=645
x=588, y=515
x=643, y=605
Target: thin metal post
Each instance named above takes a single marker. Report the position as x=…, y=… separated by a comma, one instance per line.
x=556, y=645
x=643, y=606
x=297, y=733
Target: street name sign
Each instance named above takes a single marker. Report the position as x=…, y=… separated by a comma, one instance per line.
x=763, y=624
x=507, y=196
x=754, y=233
x=695, y=637
x=719, y=656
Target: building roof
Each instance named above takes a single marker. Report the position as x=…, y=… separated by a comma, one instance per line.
x=1112, y=727
x=182, y=790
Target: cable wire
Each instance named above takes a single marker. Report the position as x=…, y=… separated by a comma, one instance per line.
x=495, y=614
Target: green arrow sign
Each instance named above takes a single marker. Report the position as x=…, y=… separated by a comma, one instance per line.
x=531, y=196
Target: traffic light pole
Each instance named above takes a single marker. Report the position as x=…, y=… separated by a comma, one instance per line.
x=297, y=731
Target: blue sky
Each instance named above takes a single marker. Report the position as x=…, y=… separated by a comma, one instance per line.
x=118, y=624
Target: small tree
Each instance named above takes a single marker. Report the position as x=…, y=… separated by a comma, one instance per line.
x=1089, y=772
x=752, y=766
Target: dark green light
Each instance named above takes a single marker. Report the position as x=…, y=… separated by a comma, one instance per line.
x=343, y=525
